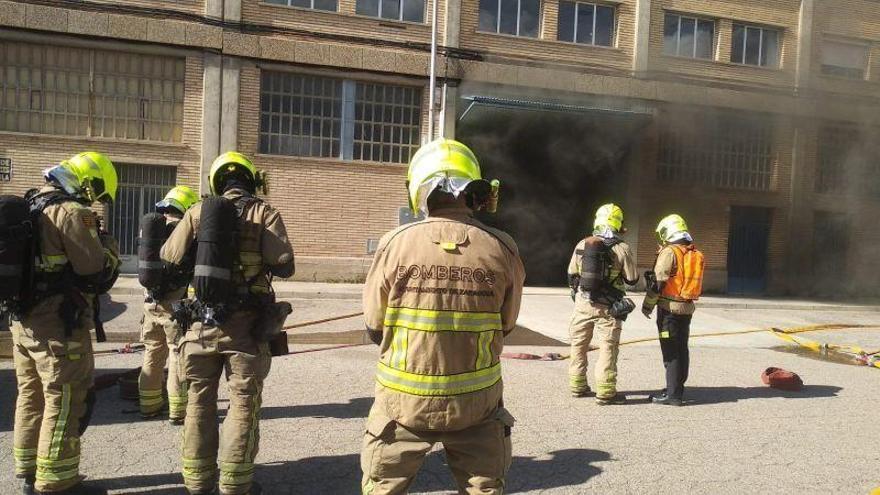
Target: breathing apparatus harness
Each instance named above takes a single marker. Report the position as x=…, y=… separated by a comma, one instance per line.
x=595, y=276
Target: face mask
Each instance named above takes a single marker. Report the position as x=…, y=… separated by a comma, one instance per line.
x=451, y=185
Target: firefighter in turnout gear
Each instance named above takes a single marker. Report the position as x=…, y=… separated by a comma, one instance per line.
x=224, y=335
x=673, y=286
x=600, y=266
x=159, y=333
x=52, y=344
x=438, y=300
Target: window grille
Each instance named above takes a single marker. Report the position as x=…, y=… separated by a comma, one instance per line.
x=140, y=188
x=58, y=90
x=688, y=37
x=753, y=45
x=722, y=151
x=338, y=118
x=586, y=23
x=329, y=5
x=395, y=10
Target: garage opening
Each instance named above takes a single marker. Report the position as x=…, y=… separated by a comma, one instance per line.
x=556, y=164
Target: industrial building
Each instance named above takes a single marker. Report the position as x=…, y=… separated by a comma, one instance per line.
x=759, y=121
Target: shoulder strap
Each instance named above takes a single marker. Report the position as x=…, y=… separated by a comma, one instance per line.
x=39, y=202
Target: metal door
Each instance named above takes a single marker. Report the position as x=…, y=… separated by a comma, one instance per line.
x=140, y=187
x=747, y=250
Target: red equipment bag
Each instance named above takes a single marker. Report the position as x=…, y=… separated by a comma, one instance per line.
x=782, y=379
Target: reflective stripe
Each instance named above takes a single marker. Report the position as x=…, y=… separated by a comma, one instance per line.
x=212, y=271
x=236, y=473
x=60, y=423
x=10, y=270
x=399, y=346
x=664, y=334
x=484, y=350
x=437, y=385
x=429, y=320
x=25, y=459
x=254, y=425
x=57, y=470
x=250, y=258
x=199, y=463
x=150, y=265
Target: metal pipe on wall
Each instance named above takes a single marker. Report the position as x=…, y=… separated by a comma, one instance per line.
x=432, y=79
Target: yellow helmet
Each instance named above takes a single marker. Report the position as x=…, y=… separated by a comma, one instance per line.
x=181, y=198
x=610, y=216
x=670, y=227
x=440, y=159
x=96, y=175
x=229, y=162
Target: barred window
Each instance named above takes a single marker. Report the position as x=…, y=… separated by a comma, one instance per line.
x=140, y=188
x=848, y=160
x=387, y=122
x=304, y=115
x=718, y=150
x=78, y=92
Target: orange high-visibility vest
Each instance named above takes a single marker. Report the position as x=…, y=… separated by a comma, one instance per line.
x=687, y=281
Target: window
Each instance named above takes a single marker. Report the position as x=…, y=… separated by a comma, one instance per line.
x=849, y=160
x=78, y=92
x=411, y=10
x=755, y=46
x=831, y=233
x=304, y=115
x=721, y=150
x=329, y=5
x=688, y=37
x=516, y=17
x=586, y=23
x=140, y=188
x=844, y=59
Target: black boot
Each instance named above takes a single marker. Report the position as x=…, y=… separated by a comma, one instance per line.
x=26, y=485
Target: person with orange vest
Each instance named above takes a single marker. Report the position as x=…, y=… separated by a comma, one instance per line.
x=673, y=286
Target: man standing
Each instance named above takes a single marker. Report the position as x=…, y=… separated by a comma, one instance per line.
x=673, y=286
x=226, y=336
x=52, y=343
x=600, y=266
x=159, y=333
x=438, y=300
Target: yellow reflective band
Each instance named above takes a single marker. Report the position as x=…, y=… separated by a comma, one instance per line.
x=150, y=393
x=449, y=246
x=56, y=475
x=17, y=452
x=250, y=258
x=664, y=334
x=199, y=463
x=54, y=464
x=577, y=380
x=60, y=423
x=430, y=320
x=74, y=357
x=437, y=385
x=367, y=488
x=254, y=424
x=236, y=467
x=55, y=259
x=399, y=346
x=484, y=350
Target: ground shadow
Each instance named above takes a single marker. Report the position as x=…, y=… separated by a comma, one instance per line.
x=526, y=336
x=355, y=408
x=338, y=474
x=110, y=309
x=697, y=396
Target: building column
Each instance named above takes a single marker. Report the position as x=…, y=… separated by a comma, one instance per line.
x=211, y=101
x=642, y=43
x=449, y=111
x=804, y=44
x=230, y=97
x=452, y=23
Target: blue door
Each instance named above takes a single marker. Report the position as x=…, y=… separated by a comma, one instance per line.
x=747, y=250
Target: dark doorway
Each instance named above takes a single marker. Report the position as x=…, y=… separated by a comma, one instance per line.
x=555, y=169
x=747, y=250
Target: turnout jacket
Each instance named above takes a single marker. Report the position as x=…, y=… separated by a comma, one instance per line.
x=263, y=245
x=441, y=294
x=665, y=268
x=623, y=266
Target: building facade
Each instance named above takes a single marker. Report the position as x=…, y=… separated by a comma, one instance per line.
x=757, y=121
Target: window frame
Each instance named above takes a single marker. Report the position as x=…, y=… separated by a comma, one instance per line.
x=519, y=9
x=400, y=18
x=349, y=121
x=595, y=5
x=780, y=32
x=865, y=46
x=311, y=5
x=713, y=52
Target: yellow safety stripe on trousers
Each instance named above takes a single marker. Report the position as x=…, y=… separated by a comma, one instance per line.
x=484, y=349
x=437, y=385
x=431, y=320
x=367, y=488
x=57, y=470
x=576, y=380
x=51, y=263
x=254, y=425
x=199, y=469
x=177, y=404
x=236, y=473
x=60, y=424
x=24, y=458
x=199, y=463
x=399, y=348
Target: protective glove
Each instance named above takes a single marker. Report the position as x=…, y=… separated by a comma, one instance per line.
x=647, y=311
x=574, y=294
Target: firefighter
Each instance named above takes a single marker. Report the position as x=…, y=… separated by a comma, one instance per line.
x=600, y=266
x=438, y=300
x=261, y=249
x=159, y=333
x=673, y=286
x=52, y=345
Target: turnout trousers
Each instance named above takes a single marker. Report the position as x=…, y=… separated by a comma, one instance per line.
x=587, y=321
x=674, y=332
x=206, y=353
x=54, y=374
x=159, y=335
x=479, y=456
